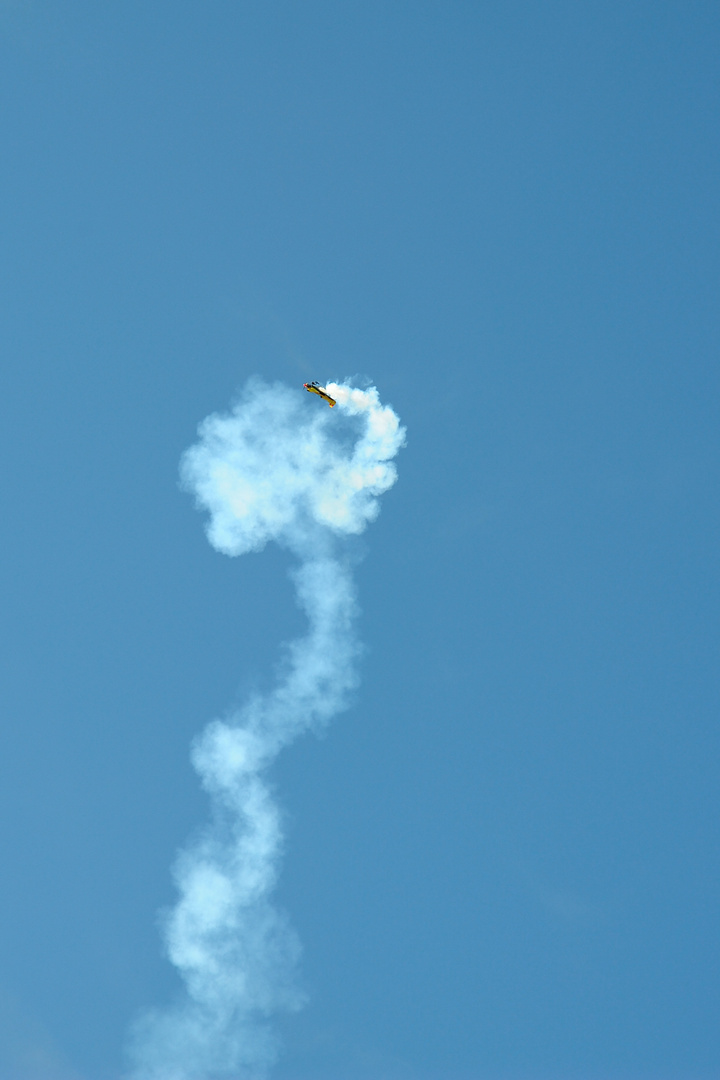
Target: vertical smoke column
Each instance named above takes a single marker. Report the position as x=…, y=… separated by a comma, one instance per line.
x=278, y=467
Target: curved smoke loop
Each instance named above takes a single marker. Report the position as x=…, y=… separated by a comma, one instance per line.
x=275, y=468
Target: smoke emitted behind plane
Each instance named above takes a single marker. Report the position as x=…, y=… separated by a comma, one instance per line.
x=274, y=468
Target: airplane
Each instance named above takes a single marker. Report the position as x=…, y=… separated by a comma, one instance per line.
x=315, y=388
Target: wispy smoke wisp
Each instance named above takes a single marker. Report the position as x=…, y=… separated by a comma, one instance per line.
x=278, y=467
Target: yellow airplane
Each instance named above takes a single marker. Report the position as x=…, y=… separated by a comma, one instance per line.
x=314, y=388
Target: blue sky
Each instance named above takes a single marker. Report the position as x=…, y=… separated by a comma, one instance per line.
x=502, y=859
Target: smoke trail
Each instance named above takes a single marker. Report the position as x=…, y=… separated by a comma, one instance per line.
x=278, y=467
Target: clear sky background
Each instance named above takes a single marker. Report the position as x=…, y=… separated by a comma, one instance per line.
x=503, y=860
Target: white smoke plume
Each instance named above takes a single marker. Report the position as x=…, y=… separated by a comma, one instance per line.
x=284, y=468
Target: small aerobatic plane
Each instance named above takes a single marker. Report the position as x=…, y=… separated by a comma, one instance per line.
x=315, y=388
